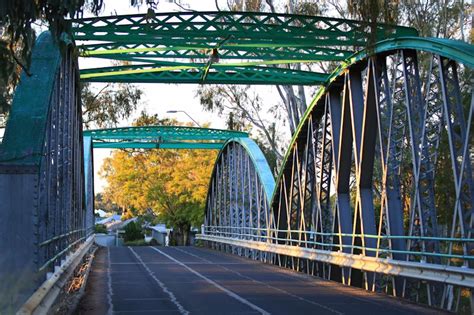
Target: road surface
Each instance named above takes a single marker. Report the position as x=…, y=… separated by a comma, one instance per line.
x=190, y=280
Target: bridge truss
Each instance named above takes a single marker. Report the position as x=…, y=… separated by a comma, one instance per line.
x=161, y=137
x=220, y=47
x=43, y=217
x=342, y=206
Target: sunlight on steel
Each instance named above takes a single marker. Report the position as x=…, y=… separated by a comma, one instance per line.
x=220, y=47
x=162, y=137
x=343, y=207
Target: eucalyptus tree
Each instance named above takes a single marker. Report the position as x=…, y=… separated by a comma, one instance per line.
x=17, y=37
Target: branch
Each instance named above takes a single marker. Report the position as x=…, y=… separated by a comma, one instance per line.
x=185, y=9
x=286, y=101
x=18, y=62
x=95, y=98
x=270, y=4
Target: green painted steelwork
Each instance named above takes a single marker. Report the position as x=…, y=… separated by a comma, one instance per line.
x=453, y=49
x=158, y=145
x=220, y=47
x=162, y=137
x=192, y=74
x=27, y=124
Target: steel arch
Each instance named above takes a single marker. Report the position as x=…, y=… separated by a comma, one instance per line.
x=396, y=246
x=377, y=116
x=239, y=194
x=43, y=217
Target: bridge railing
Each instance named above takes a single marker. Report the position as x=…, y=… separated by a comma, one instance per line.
x=43, y=213
x=377, y=188
x=308, y=239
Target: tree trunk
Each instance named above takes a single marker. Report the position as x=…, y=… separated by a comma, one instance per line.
x=185, y=231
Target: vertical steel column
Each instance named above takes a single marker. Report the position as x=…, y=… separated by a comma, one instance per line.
x=343, y=215
x=390, y=138
x=363, y=114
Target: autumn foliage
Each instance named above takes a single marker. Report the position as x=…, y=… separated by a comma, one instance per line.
x=171, y=183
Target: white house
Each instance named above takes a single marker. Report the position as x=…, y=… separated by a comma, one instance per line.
x=159, y=232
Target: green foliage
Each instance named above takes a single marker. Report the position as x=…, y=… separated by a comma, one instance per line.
x=374, y=11
x=433, y=18
x=100, y=228
x=17, y=36
x=133, y=231
x=106, y=107
x=170, y=183
x=138, y=242
x=9, y=71
x=104, y=204
x=309, y=8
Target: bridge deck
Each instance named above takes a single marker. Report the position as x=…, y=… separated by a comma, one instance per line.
x=172, y=280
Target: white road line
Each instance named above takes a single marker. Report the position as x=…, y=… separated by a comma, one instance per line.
x=173, y=299
x=194, y=255
x=228, y=292
x=302, y=277
x=263, y=283
x=184, y=262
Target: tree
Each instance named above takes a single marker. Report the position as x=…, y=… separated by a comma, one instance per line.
x=171, y=183
x=133, y=232
x=244, y=108
x=101, y=203
x=112, y=103
x=17, y=36
x=177, y=187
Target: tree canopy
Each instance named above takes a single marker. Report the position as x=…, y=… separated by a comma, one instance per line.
x=106, y=107
x=170, y=183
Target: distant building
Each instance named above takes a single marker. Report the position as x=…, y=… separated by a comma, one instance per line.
x=159, y=233
x=109, y=221
x=100, y=213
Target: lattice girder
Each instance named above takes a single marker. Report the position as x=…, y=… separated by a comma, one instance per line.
x=163, y=137
x=208, y=40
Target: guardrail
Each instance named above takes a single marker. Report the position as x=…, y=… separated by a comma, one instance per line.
x=307, y=239
x=306, y=246
x=459, y=276
x=45, y=296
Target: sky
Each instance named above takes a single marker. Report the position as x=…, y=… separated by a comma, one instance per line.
x=159, y=98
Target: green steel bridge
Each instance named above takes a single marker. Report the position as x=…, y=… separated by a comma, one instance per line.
x=338, y=208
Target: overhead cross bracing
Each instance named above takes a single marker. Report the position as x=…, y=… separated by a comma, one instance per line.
x=220, y=47
x=161, y=137
x=358, y=195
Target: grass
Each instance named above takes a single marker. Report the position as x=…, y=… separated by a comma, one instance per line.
x=140, y=242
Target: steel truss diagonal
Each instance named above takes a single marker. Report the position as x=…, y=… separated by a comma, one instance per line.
x=238, y=201
x=376, y=189
x=380, y=169
x=161, y=137
x=221, y=47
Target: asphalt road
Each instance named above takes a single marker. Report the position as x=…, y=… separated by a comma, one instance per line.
x=189, y=280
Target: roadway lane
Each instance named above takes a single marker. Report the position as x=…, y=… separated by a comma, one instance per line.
x=189, y=280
